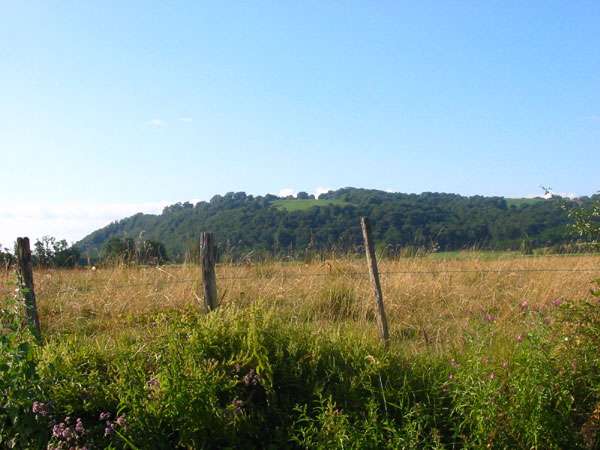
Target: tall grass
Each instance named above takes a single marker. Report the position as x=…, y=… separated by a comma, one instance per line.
x=436, y=308
x=483, y=355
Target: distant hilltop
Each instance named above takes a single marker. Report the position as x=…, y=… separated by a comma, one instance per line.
x=288, y=225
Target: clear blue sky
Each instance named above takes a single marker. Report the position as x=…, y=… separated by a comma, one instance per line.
x=109, y=104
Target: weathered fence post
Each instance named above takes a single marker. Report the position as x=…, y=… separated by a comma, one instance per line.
x=208, y=252
x=25, y=275
x=374, y=274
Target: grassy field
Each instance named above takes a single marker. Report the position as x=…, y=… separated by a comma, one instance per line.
x=301, y=204
x=485, y=352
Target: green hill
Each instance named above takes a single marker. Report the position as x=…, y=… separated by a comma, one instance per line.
x=272, y=225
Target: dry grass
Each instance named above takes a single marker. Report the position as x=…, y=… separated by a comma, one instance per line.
x=427, y=311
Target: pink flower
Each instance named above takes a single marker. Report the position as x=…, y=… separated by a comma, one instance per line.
x=524, y=304
x=121, y=421
x=40, y=408
x=557, y=302
x=57, y=430
x=79, y=428
x=490, y=318
x=520, y=338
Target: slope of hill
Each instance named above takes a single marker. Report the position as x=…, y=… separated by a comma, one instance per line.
x=271, y=224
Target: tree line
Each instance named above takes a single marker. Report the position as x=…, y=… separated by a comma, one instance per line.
x=254, y=226
x=246, y=224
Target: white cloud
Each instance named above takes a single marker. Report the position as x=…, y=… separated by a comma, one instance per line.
x=320, y=190
x=70, y=221
x=186, y=119
x=570, y=195
x=157, y=123
x=286, y=192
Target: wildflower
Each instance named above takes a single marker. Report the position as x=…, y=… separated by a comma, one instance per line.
x=79, y=428
x=251, y=378
x=492, y=376
x=557, y=302
x=520, y=338
x=237, y=406
x=451, y=376
x=153, y=383
x=109, y=430
x=104, y=416
x=121, y=421
x=39, y=408
x=504, y=364
x=57, y=430
x=67, y=434
x=490, y=318
x=524, y=304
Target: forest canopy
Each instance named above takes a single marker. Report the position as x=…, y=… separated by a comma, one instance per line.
x=269, y=224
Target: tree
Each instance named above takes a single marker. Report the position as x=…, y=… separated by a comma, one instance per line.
x=119, y=249
x=49, y=252
x=586, y=221
x=6, y=258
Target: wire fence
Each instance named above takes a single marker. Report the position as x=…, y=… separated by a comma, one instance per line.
x=108, y=283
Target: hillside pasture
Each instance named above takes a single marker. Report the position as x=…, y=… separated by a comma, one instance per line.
x=305, y=204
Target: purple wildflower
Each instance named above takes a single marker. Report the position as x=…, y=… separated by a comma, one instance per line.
x=557, y=302
x=251, y=378
x=58, y=429
x=109, y=430
x=79, y=428
x=67, y=434
x=39, y=408
x=153, y=383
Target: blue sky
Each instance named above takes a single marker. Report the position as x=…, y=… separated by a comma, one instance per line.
x=107, y=108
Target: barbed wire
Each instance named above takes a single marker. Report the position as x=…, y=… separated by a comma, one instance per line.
x=106, y=283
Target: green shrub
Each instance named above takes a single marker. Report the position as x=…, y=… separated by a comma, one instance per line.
x=243, y=378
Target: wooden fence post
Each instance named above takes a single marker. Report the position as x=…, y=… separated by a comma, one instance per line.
x=25, y=275
x=208, y=251
x=374, y=274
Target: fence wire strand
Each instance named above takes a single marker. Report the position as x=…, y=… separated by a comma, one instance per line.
x=293, y=275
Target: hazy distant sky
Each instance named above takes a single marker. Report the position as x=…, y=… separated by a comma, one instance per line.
x=107, y=108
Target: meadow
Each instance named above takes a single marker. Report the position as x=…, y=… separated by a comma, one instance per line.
x=486, y=351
